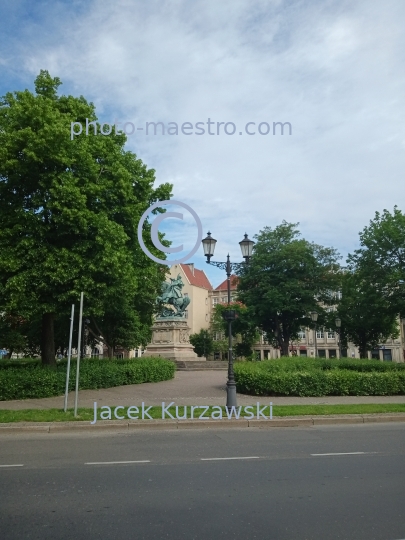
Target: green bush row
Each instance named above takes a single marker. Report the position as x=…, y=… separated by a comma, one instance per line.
x=19, y=362
x=326, y=364
x=334, y=382
x=36, y=381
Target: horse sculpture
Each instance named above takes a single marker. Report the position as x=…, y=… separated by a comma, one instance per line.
x=172, y=295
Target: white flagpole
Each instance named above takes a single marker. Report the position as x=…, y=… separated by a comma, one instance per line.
x=69, y=356
x=78, y=352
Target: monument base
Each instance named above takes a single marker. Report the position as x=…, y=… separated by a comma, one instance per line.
x=170, y=339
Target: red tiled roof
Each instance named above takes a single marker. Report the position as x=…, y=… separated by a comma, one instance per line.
x=198, y=278
x=224, y=286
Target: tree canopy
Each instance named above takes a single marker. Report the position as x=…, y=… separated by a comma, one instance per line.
x=69, y=211
x=243, y=327
x=202, y=342
x=286, y=278
x=365, y=312
x=381, y=257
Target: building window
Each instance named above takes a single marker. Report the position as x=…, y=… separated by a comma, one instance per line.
x=266, y=355
x=206, y=317
x=322, y=353
x=206, y=301
x=332, y=353
x=319, y=334
x=186, y=314
x=375, y=353
x=215, y=300
x=301, y=333
x=216, y=355
x=303, y=353
x=387, y=355
x=331, y=334
x=224, y=299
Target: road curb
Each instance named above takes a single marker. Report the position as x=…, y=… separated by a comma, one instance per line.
x=277, y=421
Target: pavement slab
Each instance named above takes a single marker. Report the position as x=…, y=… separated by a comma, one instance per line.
x=187, y=388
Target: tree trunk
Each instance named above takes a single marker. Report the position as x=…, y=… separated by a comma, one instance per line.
x=284, y=348
x=48, y=340
x=110, y=352
x=363, y=350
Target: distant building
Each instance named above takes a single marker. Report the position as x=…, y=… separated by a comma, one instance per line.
x=197, y=287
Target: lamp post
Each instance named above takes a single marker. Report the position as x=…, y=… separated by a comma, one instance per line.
x=229, y=315
x=314, y=317
x=338, y=324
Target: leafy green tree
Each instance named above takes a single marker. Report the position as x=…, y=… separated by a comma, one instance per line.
x=287, y=277
x=367, y=319
x=202, y=342
x=12, y=333
x=243, y=328
x=69, y=211
x=126, y=323
x=381, y=257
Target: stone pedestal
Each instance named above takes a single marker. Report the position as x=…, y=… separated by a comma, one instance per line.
x=170, y=339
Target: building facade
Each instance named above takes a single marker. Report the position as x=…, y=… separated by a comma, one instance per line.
x=197, y=287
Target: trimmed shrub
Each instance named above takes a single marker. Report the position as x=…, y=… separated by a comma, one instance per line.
x=316, y=378
x=36, y=381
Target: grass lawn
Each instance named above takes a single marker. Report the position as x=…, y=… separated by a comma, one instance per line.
x=58, y=415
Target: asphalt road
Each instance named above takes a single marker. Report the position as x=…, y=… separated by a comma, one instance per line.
x=326, y=482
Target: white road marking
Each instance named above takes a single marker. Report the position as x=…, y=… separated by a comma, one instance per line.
x=225, y=458
x=343, y=453
x=116, y=462
x=17, y=465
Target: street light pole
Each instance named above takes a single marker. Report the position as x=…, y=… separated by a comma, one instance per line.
x=229, y=315
x=230, y=384
x=79, y=342
x=314, y=317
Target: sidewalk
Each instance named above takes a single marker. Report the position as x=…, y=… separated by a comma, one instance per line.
x=187, y=388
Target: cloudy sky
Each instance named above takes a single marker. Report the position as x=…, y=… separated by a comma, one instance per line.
x=333, y=69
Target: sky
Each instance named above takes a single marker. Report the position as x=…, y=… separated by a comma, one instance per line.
x=332, y=69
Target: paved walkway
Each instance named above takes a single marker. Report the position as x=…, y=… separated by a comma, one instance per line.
x=187, y=388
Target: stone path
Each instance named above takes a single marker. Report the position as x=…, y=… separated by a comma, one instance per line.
x=187, y=388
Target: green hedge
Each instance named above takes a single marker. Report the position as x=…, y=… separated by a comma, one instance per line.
x=287, y=363
x=310, y=377
x=36, y=381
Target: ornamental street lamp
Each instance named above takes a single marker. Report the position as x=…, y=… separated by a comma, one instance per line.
x=314, y=317
x=229, y=315
x=338, y=324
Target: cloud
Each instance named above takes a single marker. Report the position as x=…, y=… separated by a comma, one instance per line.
x=333, y=69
